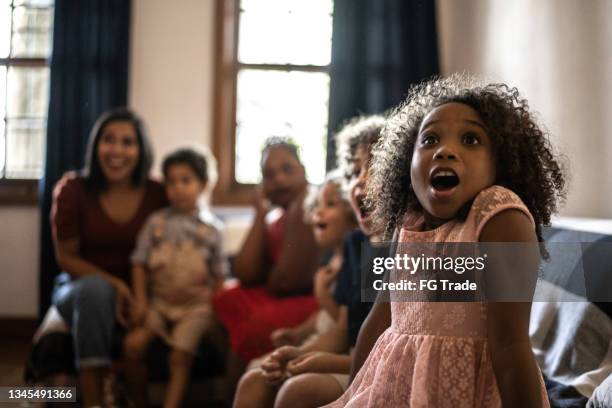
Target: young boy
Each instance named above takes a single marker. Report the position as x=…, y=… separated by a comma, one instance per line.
x=178, y=262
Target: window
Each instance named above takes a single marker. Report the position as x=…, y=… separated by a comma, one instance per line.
x=272, y=80
x=25, y=46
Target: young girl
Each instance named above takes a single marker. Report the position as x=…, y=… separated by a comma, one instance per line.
x=457, y=163
x=331, y=219
x=178, y=261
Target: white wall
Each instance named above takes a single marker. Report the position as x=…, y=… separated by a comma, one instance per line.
x=559, y=55
x=19, y=261
x=171, y=71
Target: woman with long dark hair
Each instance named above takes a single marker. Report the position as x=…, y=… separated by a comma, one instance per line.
x=95, y=216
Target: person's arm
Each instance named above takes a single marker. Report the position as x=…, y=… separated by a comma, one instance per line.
x=294, y=271
x=69, y=259
x=333, y=341
x=141, y=302
x=378, y=320
x=516, y=372
x=292, y=336
x=324, y=278
x=249, y=264
x=320, y=362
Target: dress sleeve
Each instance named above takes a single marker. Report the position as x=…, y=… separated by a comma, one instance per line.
x=66, y=208
x=493, y=201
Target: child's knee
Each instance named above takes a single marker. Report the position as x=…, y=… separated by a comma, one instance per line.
x=133, y=347
x=251, y=380
x=254, y=391
x=295, y=392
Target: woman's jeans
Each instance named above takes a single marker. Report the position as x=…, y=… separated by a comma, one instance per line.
x=87, y=305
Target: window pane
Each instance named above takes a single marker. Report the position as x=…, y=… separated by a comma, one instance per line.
x=31, y=32
x=34, y=3
x=5, y=28
x=28, y=92
x=24, y=147
x=277, y=103
x=285, y=32
x=2, y=148
x=2, y=92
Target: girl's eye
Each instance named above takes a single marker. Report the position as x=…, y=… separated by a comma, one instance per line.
x=429, y=139
x=471, y=139
x=330, y=204
x=287, y=168
x=128, y=142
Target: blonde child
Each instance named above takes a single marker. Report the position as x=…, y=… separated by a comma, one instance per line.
x=177, y=265
x=331, y=218
x=457, y=162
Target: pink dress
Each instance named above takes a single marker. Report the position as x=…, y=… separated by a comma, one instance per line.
x=435, y=354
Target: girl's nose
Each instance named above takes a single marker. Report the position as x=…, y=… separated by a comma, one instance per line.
x=445, y=152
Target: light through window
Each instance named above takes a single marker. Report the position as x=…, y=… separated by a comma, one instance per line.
x=25, y=47
x=284, y=51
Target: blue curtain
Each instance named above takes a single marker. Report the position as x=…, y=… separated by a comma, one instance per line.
x=379, y=49
x=89, y=74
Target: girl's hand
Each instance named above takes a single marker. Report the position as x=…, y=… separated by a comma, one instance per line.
x=285, y=337
x=260, y=201
x=124, y=302
x=274, y=366
x=312, y=362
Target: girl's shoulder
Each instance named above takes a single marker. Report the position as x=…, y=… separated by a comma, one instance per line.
x=492, y=201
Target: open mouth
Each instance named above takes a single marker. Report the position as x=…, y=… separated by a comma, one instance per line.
x=321, y=225
x=444, y=179
x=364, y=210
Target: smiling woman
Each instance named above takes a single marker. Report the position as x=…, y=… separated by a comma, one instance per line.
x=95, y=218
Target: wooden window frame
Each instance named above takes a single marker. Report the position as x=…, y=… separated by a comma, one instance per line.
x=228, y=191
x=20, y=191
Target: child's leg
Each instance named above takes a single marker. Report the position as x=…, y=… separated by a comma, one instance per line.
x=254, y=392
x=180, y=370
x=308, y=390
x=134, y=349
x=185, y=340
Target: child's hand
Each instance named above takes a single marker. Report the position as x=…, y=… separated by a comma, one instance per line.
x=138, y=313
x=312, y=362
x=124, y=302
x=285, y=337
x=324, y=278
x=274, y=366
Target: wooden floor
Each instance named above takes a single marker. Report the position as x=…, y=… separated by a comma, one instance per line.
x=13, y=354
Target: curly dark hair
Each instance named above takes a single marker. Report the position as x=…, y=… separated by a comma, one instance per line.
x=524, y=157
x=286, y=143
x=196, y=161
x=356, y=132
